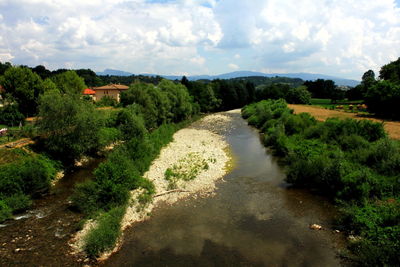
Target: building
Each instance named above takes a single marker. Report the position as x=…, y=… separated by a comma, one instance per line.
x=110, y=90
x=89, y=92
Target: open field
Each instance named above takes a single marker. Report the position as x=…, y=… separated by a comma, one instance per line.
x=321, y=114
x=326, y=103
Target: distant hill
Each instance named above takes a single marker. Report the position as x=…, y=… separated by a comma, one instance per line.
x=112, y=72
x=238, y=74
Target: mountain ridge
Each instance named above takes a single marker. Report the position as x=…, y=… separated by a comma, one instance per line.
x=237, y=74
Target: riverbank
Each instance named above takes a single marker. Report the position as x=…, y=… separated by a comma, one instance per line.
x=351, y=162
x=201, y=142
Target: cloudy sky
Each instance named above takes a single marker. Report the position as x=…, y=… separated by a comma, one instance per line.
x=337, y=37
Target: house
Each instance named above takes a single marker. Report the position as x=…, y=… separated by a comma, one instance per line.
x=110, y=90
x=89, y=92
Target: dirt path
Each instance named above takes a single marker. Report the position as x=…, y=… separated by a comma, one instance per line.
x=321, y=114
x=17, y=143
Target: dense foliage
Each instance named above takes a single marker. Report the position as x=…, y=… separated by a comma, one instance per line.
x=10, y=115
x=293, y=95
x=68, y=125
x=382, y=95
x=260, y=80
x=22, y=179
x=326, y=89
x=220, y=94
x=24, y=87
x=350, y=161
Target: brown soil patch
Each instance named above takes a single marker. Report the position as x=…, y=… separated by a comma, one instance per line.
x=321, y=114
x=17, y=143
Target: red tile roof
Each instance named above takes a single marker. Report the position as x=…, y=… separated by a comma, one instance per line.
x=88, y=91
x=112, y=87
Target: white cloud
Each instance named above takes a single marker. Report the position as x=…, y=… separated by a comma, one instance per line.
x=233, y=66
x=5, y=57
x=198, y=60
x=134, y=36
x=298, y=35
x=178, y=36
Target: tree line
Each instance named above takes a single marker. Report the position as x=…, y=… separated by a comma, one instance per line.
x=381, y=95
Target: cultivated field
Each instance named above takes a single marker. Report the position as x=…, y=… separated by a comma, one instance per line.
x=321, y=114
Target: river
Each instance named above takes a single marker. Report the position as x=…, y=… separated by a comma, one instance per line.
x=254, y=219
x=39, y=237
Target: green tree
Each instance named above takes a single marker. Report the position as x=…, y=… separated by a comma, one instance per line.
x=90, y=77
x=179, y=101
x=391, y=71
x=152, y=102
x=42, y=71
x=24, y=87
x=4, y=66
x=203, y=94
x=130, y=123
x=68, y=125
x=383, y=99
x=321, y=88
x=69, y=82
x=368, y=78
x=10, y=115
x=298, y=95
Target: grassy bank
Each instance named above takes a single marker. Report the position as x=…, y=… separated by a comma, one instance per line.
x=352, y=162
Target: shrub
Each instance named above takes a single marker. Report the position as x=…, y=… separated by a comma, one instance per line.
x=10, y=115
x=378, y=225
x=382, y=98
x=85, y=197
x=353, y=142
x=105, y=234
x=30, y=175
x=107, y=101
x=107, y=136
x=18, y=202
x=25, y=177
x=130, y=124
x=5, y=211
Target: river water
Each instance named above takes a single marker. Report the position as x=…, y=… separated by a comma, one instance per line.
x=39, y=237
x=254, y=219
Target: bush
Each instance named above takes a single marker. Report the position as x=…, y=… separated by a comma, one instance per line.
x=378, y=226
x=382, y=99
x=85, y=197
x=10, y=115
x=105, y=234
x=30, y=175
x=5, y=211
x=298, y=95
x=130, y=124
x=18, y=202
x=107, y=101
x=107, y=136
x=25, y=177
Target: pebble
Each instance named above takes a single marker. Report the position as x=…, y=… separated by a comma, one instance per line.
x=315, y=226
